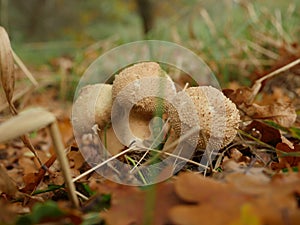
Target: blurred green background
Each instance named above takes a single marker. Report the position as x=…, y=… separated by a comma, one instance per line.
x=235, y=37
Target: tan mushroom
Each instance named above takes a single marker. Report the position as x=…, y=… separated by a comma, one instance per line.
x=145, y=86
x=93, y=106
x=210, y=112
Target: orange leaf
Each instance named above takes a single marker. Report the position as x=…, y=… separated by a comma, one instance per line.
x=218, y=203
x=131, y=205
x=285, y=161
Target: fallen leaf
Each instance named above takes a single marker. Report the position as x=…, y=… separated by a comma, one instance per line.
x=7, y=185
x=76, y=159
x=131, y=205
x=7, y=214
x=215, y=202
x=258, y=173
x=286, y=161
x=282, y=113
x=264, y=132
x=209, y=201
x=32, y=180
x=7, y=68
x=242, y=95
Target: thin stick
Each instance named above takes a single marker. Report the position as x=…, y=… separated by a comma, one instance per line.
x=59, y=147
x=81, y=195
x=185, y=86
x=24, y=68
x=179, y=157
x=258, y=83
x=101, y=164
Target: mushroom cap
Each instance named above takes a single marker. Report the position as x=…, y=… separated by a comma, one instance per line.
x=145, y=86
x=217, y=118
x=93, y=106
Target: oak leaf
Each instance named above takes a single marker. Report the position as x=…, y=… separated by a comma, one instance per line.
x=131, y=205
x=213, y=202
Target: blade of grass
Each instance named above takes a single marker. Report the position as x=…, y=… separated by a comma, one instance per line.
x=134, y=164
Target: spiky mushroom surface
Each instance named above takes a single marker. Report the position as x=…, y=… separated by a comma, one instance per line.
x=217, y=117
x=145, y=86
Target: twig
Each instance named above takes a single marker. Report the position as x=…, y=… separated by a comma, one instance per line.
x=101, y=164
x=60, y=151
x=24, y=68
x=178, y=157
x=81, y=195
x=258, y=83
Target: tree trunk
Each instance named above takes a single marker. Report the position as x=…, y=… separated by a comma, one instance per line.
x=145, y=9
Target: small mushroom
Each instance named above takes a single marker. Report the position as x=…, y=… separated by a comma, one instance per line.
x=145, y=86
x=93, y=106
x=210, y=112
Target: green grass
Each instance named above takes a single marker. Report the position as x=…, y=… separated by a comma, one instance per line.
x=218, y=31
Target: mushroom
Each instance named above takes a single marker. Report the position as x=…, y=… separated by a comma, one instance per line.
x=93, y=106
x=206, y=109
x=144, y=86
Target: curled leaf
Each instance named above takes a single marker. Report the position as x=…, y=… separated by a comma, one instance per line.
x=7, y=67
x=282, y=113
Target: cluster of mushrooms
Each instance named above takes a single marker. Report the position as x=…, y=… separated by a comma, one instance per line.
x=216, y=117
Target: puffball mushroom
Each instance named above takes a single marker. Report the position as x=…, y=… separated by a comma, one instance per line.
x=218, y=118
x=93, y=106
x=144, y=85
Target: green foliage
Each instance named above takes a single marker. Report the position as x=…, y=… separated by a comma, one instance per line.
x=62, y=28
x=50, y=188
x=40, y=212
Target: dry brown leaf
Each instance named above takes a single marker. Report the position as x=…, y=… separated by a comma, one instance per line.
x=129, y=204
x=264, y=132
x=27, y=165
x=7, y=213
x=204, y=215
x=286, y=161
x=76, y=159
x=258, y=173
x=7, y=185
x=7, y=67
x=282, y=113
x=217, y=203
x=242, y=95
x=32, y=180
